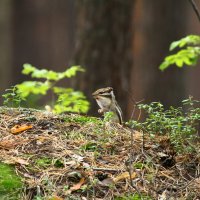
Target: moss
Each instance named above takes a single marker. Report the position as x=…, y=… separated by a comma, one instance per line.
x=133, y=197
x=44, y=162
x=81, y=119
x=10, y=183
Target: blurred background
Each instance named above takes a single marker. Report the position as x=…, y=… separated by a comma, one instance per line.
x=120, y=43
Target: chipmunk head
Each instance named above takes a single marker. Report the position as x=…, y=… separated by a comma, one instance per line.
x=104, y=97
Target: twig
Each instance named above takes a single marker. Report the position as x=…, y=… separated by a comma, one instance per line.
x=105, y=169
x=134, y=102
x=133, y=112
x=195, y=8
x=139, y=115
x=132, y=141
x=143, y=142
x=131, y=159
x=129, y=165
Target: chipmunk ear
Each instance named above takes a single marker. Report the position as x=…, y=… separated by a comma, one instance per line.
x=110, y=89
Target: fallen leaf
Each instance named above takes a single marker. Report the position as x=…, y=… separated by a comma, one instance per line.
x=137, y=135
x=163, y=196
x=107, y=182
x=7, y=144
x=71, y=163
x=56, y=198
x=124, y=176
x=10, y=144
x=21, y=161
x=77, y=157
x=74, y=174
x=19, y=128
x=76, y=186
x=42, y=139
x=14, y=160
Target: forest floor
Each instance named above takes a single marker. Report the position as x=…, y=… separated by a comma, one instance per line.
x=76, y=157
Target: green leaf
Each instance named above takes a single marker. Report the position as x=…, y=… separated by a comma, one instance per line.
x=42, y=73
x=73, y=70
x=59, y=90
x=68, y=99
x=28, y=68
x=173, y=45
x=12, y=97
x=71, y=101
x=188, y=40
x=188, y=56
x=49, y=74
x=32, y=87
x=179, y=62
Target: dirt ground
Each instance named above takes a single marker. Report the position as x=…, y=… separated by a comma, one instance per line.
x=79, y=157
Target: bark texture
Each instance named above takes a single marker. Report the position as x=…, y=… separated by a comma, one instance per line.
x=104, y=46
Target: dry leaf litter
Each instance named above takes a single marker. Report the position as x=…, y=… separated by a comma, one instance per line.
x=60, y=157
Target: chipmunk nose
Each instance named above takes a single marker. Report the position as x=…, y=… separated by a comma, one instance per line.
x=96, y=97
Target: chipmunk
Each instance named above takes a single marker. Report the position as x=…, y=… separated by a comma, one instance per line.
x=106, y=100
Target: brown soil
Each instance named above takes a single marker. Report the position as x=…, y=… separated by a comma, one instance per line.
x=78, y=157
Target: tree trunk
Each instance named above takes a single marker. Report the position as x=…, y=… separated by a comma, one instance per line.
x=5, y=45
x=104, y=46
x=157, y=23
x=43, y=34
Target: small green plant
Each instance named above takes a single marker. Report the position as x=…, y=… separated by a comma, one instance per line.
x=90, y=146
x=12, y=97
x=188, y=55
x=70, y=100
x=67, y=98
x=133, y=197
x=82, y=119
x=108, y=116
x=58, y=163
x=43, y=162
x=179, y=123
x=38, y=197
